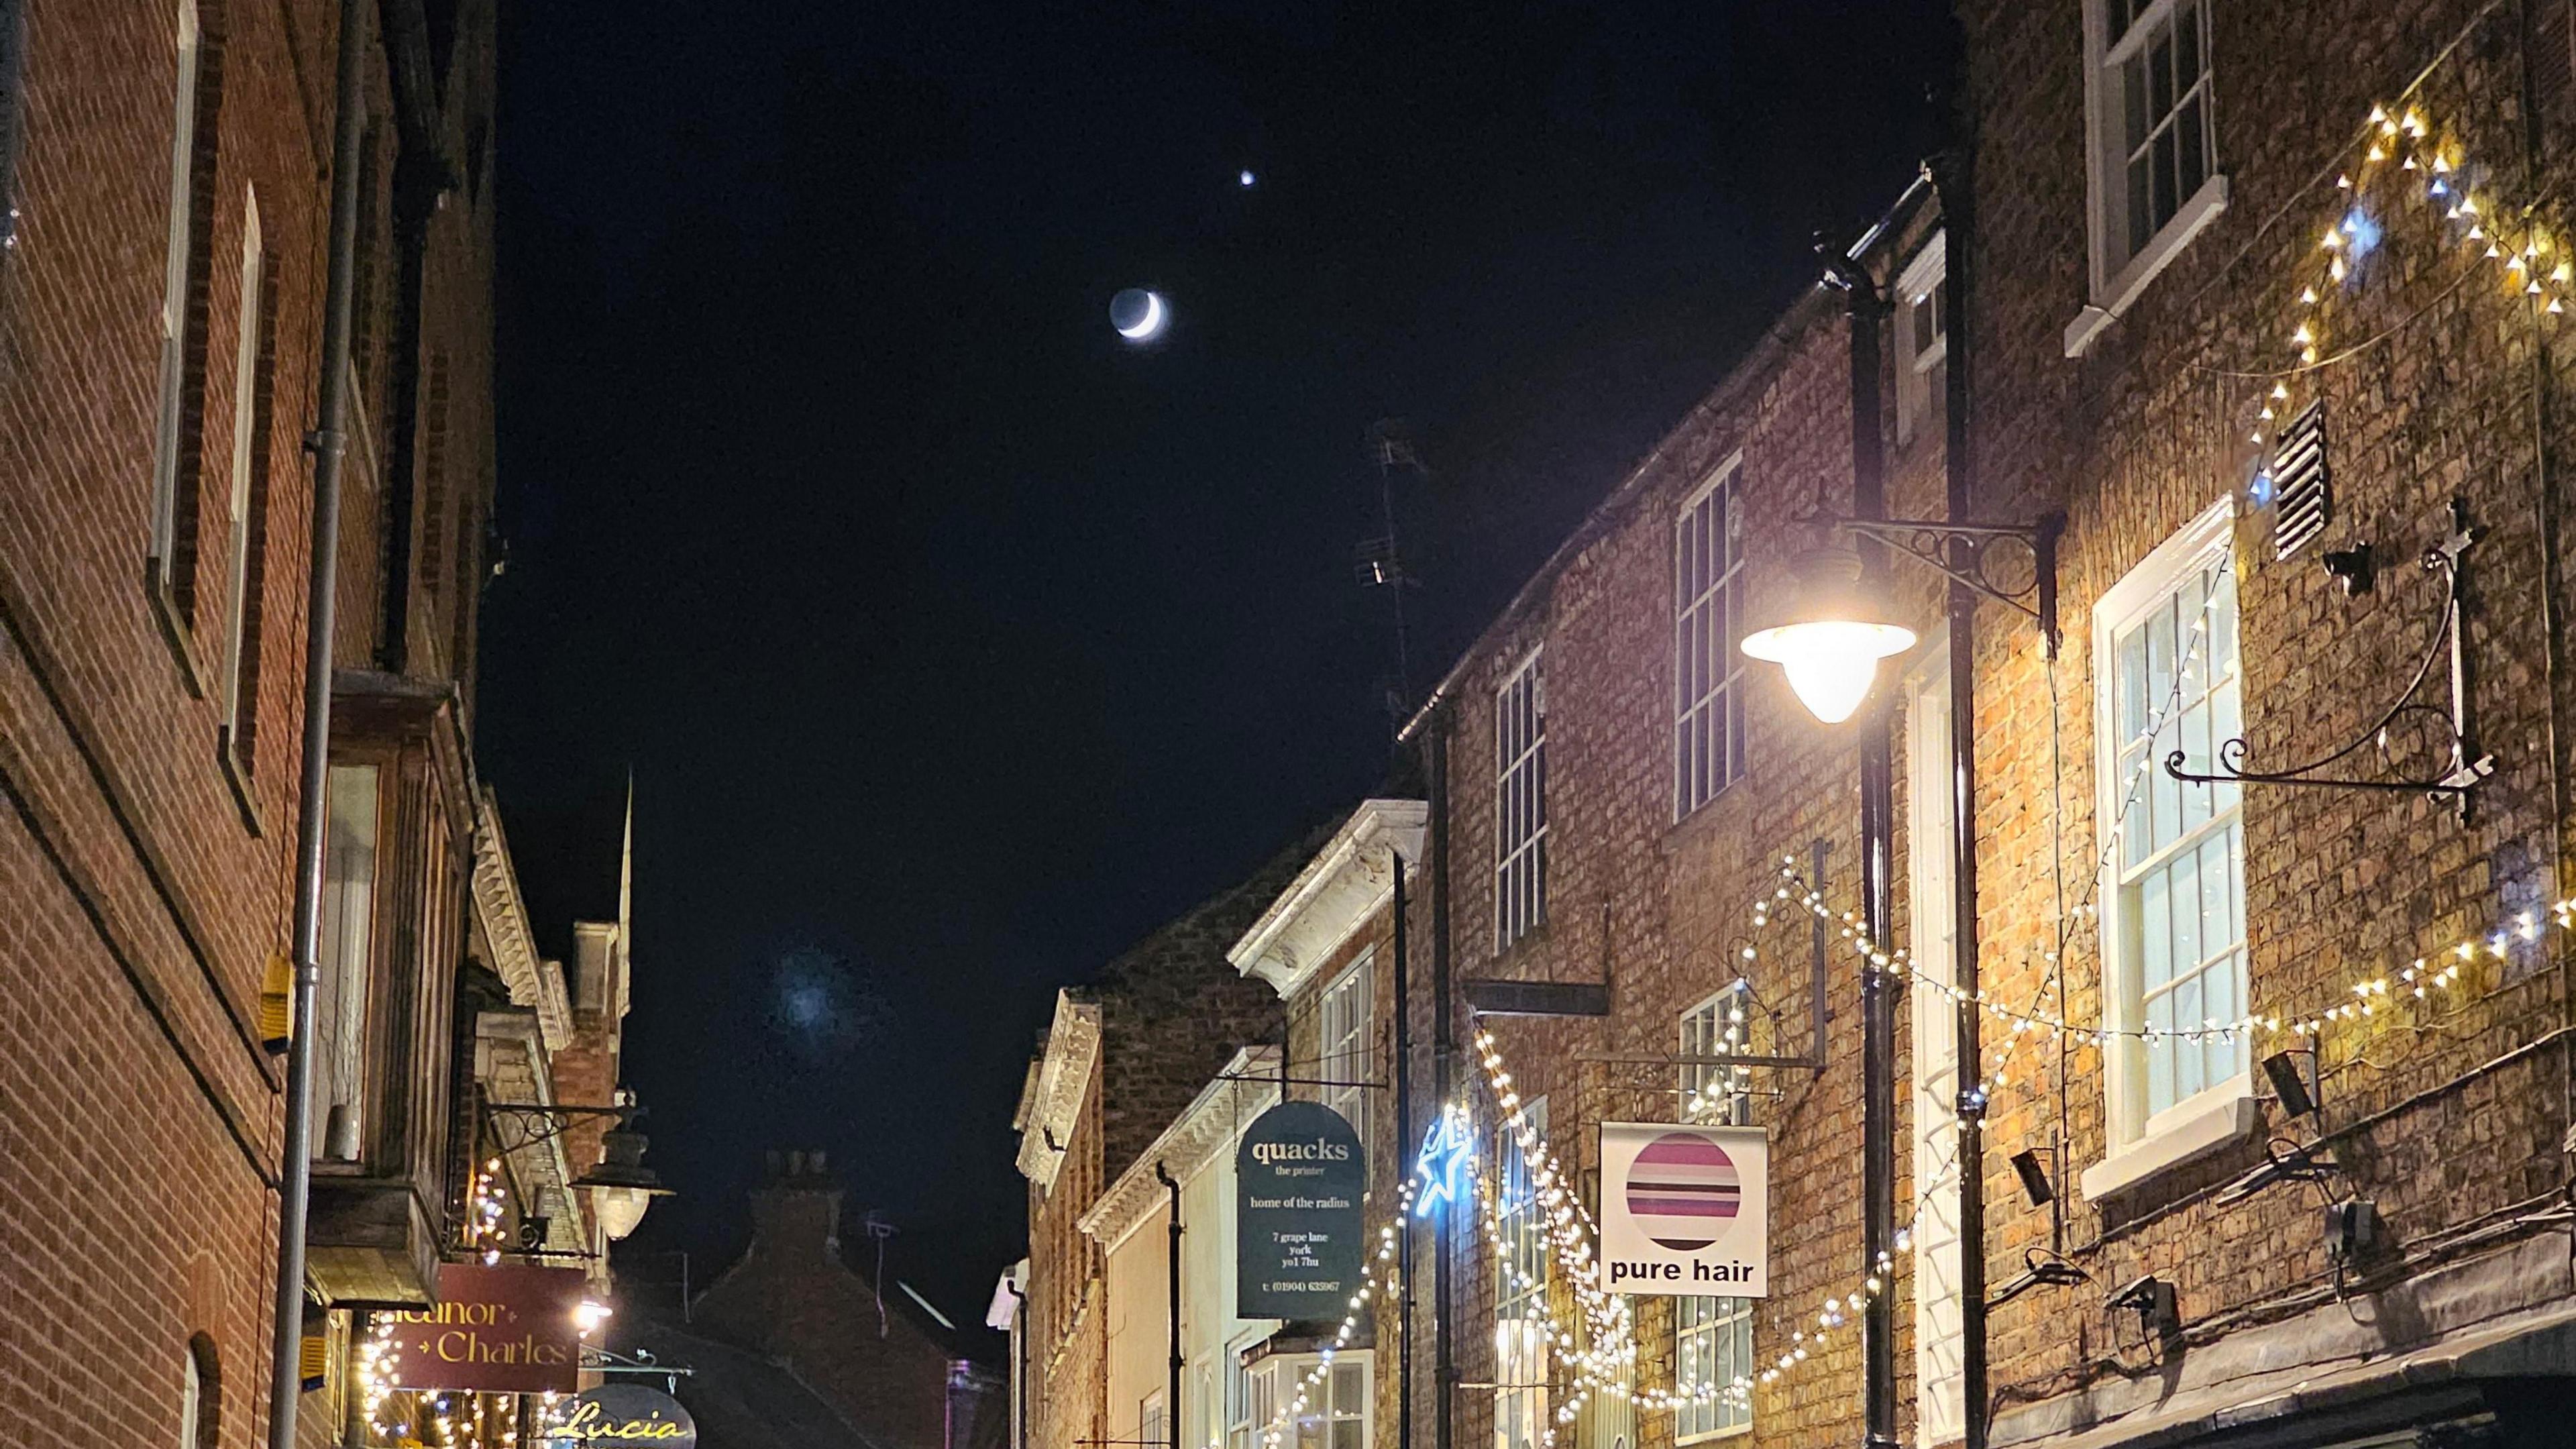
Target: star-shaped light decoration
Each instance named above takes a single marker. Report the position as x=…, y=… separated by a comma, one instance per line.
x=1448, y=1149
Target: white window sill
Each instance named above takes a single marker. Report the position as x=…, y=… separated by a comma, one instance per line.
x=2113, y=301
x=2218, y=1118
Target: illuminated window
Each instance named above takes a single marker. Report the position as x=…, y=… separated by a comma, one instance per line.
x=347, y=949
x=1922, y=339
x=1337, y=1413
x=1152, y=1426
x=1347, y=1021
x=1521, y=1327
x=2174, y=904
x=1520, y=796
x=1713, y=1337
x=1708, y=624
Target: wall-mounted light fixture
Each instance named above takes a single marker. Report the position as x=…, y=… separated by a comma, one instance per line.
x=2290, y=1082
x=1838, y=628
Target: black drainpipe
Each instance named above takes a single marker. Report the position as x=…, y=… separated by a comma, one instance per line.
x=1444, y=1049
x=1020, y=1376
x=1949, y=186
x=328, y=444
x=1172, y=1401
x=1403, y=1138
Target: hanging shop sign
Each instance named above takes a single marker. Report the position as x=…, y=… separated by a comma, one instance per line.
x=1685, y=1211
x=1298, y=1179
x=620, y=1414
x=503, y=1329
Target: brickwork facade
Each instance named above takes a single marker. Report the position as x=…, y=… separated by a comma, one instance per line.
x=167, y=179
x=2441, y=376
x=1659, y=908
x=793, y=1299
x=1127, y=1054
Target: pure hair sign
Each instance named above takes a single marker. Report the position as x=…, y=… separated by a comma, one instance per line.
x=1298, y=1175
x=1685, y=1210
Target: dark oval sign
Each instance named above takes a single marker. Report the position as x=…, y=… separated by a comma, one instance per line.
x=1298, y=1178
x=622, y=1414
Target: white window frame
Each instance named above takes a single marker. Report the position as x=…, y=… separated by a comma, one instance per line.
x=1715, y=1332
x=1347, y=1019
x=1922, y=278
x=1520, y=804
x=2119, y=275
x=1522, y=1264
x=352, y=856
x=1153, y=1422
x=1940, y=1328
x=245, y=420
x=1708, y=705
x=192, y=1397
x=2144, y=1142
x=174, y=302
x=1281, y=1375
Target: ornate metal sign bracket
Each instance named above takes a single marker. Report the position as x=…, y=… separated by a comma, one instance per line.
x=2464, y=766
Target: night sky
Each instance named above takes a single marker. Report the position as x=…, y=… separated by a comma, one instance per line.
x=951, y=642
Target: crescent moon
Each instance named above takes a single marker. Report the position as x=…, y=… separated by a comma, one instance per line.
x=1149, y=324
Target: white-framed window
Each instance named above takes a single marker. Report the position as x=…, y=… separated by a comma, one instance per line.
x=1522, y=1331
x=1708, y=624
x=238, y=610
x=1348, y=1023
x=179, y=265
x=1922, y=338
x=192, y=1390
x=347, y=950
x=1240, y=1427
x=1712, y=1336
x=2154, y=174
x=1712, y=1367
x=1338, y=1408
x=1940, y=1329
x=1520, y=805
x=1153, y=1425
x=2173, y=902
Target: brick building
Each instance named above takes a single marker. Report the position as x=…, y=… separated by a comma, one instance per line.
x=891, y=1379
x=1616, y=787
x=2262, y=295
x=1123, y=1059
x=167, y=169
x=2279, y=363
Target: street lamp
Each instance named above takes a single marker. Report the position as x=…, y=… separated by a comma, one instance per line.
x=1835, y=634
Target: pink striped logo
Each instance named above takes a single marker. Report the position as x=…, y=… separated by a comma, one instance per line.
x=1683, y=1191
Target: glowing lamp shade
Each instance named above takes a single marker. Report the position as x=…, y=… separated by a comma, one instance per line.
x=1832, y=641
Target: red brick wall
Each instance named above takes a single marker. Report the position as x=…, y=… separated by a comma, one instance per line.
x=139, y=1116
x=792, y=1298
x=140, y=1119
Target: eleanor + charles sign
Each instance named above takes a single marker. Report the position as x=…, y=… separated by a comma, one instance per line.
x=1685, y=1210
x=1298, y=1178
x=504, y=1329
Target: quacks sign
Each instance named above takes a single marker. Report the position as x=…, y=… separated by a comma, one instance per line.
x=1298, y=1176
x=505, y=1329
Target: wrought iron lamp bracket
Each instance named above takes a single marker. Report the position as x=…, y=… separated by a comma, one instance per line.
x=537, y=1122
x=1964, y=553
x=2465, y=766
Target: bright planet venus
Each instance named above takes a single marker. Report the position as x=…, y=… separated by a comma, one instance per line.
x=1139, y=315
